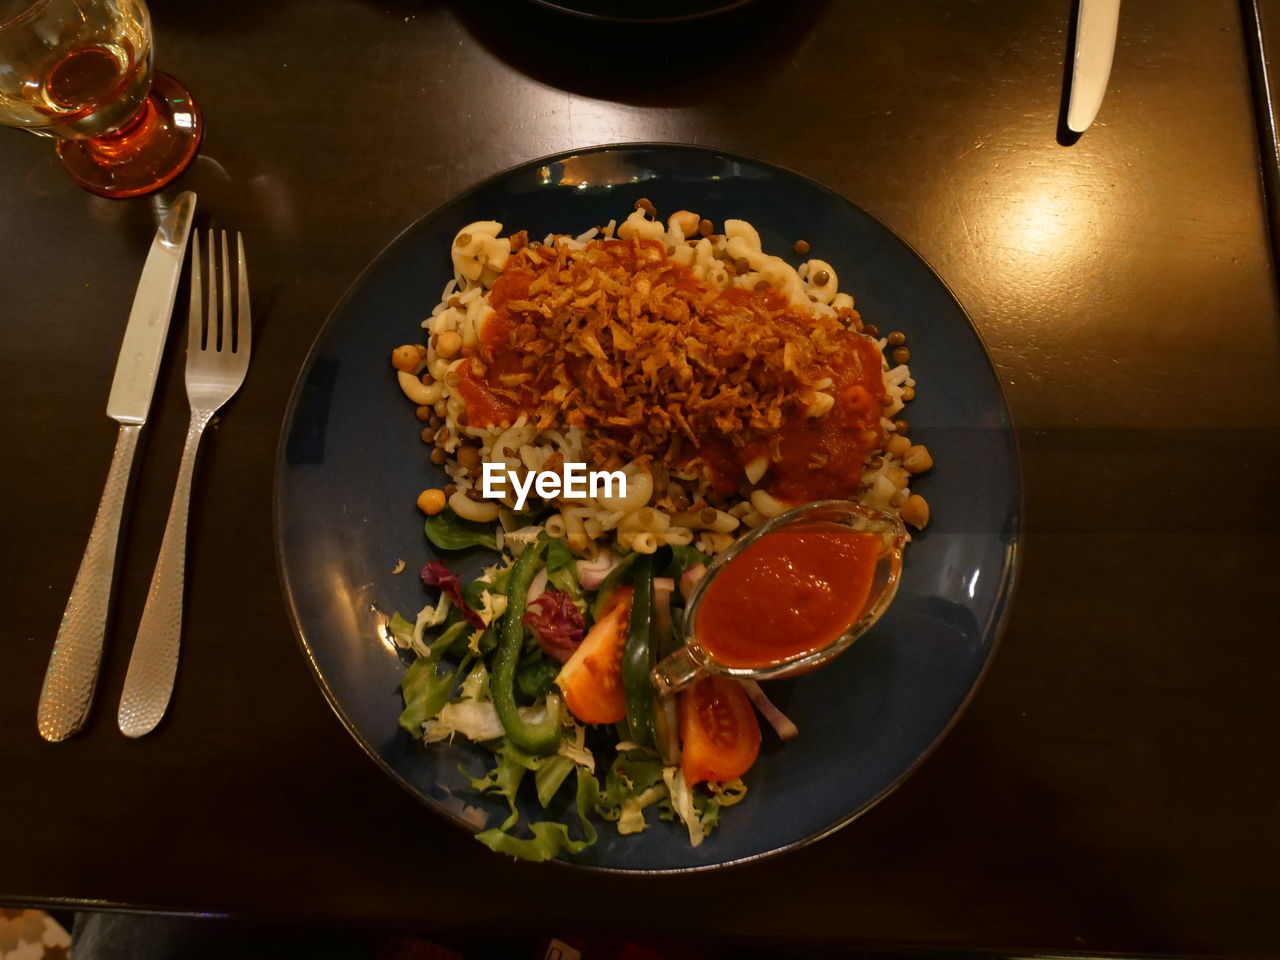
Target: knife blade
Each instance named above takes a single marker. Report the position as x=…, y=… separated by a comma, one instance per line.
x=145, y=335
x=72, y=674
x=1096, y=25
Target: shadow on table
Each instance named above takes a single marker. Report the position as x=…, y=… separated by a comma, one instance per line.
x=637, y=63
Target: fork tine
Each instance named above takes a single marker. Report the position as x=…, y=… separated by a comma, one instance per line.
x=211, y=315
x=226, y=344
x=244, y=325
x=195, y=322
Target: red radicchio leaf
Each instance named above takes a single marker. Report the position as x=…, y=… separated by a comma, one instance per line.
x=436, y=574
x=556, y=622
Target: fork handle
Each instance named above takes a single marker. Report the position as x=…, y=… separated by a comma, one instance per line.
x=153, y=664
x=72, y=674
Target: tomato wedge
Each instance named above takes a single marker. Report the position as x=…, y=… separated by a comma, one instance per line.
x=719, y=733
x=591, y=680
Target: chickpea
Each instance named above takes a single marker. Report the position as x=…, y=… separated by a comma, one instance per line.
x=898, y=445
x=916, y=511
x=448, y=343
x=407, y=357
x=423, y=414
x=917, y=459
x=686, y=221
x=431, y=502
x=469, y=458
x=898, y=477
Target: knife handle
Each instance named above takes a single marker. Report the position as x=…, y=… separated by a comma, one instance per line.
x=72, y=674
x=153, y=665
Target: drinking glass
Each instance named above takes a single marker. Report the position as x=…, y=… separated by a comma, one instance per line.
x=692, y=661
x=81, y=71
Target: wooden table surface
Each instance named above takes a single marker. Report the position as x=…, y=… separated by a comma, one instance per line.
x=1113, y=786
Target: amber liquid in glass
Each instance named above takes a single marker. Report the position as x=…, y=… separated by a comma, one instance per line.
x=92, y=88
x=81, y=71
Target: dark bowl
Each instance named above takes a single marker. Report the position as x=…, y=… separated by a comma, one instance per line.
x=652, y=11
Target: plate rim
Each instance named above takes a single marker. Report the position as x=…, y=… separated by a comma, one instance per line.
x=997, y=623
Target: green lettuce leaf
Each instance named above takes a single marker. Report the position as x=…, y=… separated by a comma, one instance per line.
x=426, y=689
x=558, y=557
x=448, y=531
x=550, y=775
x=566, y=579
x=503, y=780
x=536, y=675
x=549, y=839
x=448, y=639
x=401, y=629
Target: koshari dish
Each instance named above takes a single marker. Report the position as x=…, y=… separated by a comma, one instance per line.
x=727, y=385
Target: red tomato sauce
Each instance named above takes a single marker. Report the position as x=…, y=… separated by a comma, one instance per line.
x=811, y=458
x=789, y=594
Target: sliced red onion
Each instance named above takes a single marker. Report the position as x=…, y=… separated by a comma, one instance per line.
x=777, y=719
x=591, y=573
x=663, y=587
x=689, y=579
x=537, y=587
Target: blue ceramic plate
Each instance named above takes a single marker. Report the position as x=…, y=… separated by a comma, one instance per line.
x=351, y=465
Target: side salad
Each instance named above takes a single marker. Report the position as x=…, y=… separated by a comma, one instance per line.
x=544, y=660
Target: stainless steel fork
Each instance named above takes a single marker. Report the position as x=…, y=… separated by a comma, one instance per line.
x=217, y=357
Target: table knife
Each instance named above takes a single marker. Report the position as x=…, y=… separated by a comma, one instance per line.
x=72, y=674
x=1096, y=25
